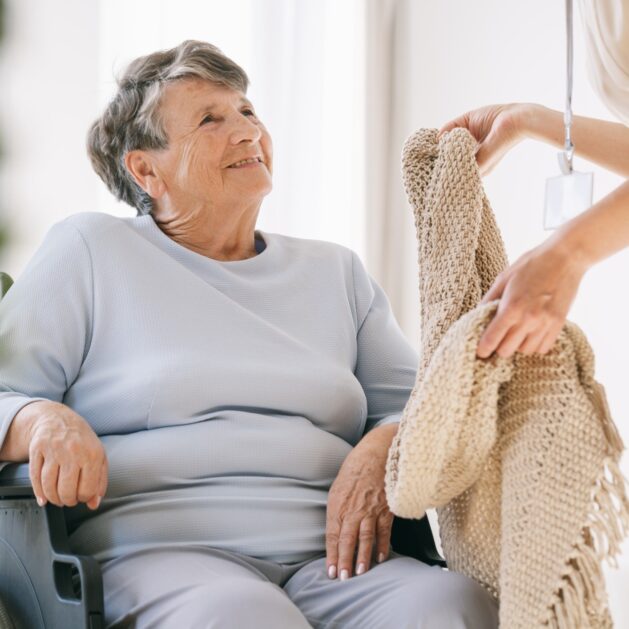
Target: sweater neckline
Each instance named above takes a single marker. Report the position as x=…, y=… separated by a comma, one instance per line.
x=263, y=243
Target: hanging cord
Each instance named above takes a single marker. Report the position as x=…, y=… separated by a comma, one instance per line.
x=566, y=159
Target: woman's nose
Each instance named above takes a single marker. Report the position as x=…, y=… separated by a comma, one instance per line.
x=245, y=129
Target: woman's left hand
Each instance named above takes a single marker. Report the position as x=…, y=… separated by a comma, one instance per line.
x=535, y=294
x=358, y=513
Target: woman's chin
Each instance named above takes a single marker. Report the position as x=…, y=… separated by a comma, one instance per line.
x=253, y=192
x=262, y=187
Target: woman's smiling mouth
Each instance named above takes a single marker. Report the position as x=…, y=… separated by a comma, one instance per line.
x=253, y=161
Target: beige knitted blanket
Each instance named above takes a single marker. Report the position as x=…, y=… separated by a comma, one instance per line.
x=519, y=455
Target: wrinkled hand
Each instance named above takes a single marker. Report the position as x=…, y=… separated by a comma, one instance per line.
x=67, y=461
x=358, y=513
x=535, y=295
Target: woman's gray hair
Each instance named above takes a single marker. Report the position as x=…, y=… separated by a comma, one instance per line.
x=131, y=120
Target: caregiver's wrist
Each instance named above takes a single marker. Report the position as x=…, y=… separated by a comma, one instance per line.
x=570, y=247
x=534, y=121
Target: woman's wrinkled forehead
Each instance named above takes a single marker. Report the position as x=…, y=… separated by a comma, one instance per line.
x=185, y=102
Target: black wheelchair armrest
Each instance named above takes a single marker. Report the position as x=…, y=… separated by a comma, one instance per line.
x=15, y=480
x=42, y=584
x=414, y=538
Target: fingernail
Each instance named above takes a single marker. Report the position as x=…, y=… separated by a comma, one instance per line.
x=380, y=557
x=361, y=568
x=344, y=574
x=40, y=501
x=98, y=501
x=332, y=572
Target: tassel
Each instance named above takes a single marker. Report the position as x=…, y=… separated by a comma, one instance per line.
x=577, y=589
x=609, y=517
x=580, y=596
x=599, y=399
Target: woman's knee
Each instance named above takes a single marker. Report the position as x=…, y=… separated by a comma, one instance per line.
x=453, y=601
x=238, y=603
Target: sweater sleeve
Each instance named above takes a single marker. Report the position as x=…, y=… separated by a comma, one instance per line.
x=386, y=363
x=45, y=324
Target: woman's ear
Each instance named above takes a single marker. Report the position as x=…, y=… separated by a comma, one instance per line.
x=142, y=169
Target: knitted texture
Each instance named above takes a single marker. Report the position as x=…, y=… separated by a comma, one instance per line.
x=518, y=455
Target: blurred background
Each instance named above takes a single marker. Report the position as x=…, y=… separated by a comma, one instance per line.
x=340, y=84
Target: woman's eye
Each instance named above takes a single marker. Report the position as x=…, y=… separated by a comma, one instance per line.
x=208, y=118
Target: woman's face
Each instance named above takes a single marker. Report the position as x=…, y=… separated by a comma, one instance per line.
x=209, y=128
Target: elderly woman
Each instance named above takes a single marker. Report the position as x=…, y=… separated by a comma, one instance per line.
x=229, y=394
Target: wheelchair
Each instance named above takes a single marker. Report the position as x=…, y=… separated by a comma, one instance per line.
x=44, y=585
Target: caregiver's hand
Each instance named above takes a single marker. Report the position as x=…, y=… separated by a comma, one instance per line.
x=358, y=514
x=67, y=461
x=496, y=128
x=535, y=295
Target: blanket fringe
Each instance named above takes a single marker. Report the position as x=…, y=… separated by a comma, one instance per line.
x=601, y=406
x=580, y=598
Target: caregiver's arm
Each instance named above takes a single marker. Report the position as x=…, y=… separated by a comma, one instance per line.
x=498, y=128
x=536, y=292
x=600, y=141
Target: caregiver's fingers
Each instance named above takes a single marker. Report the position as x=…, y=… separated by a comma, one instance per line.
x=551, y=337
x=504, y=319
x=511, y=341
x=496, y=289
x=533, y=340
x=489, y=152
x=461, y=121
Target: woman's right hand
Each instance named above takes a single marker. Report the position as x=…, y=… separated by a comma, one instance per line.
x=67, y=461
x=496, y=128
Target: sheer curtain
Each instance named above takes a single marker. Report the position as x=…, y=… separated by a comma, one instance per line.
x=391, y=94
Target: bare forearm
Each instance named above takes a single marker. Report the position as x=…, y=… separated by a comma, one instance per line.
x=600, y=141
x=16, y=443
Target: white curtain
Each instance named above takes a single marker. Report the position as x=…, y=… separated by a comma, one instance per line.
x=391, y=242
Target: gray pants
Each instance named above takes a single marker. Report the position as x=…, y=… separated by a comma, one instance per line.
x=196, y=587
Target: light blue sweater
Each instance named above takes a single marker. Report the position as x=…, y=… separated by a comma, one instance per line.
x=226, y=394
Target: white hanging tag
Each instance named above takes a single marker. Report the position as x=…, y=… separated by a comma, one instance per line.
x=567, y=196
x=570, y=193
